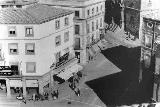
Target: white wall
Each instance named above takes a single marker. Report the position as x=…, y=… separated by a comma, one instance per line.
x=44, y=39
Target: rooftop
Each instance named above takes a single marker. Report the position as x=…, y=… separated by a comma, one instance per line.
x=17, y=2
x=35, y=14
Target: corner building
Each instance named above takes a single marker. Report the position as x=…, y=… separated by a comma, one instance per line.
x=89, y=19
x=36, y=43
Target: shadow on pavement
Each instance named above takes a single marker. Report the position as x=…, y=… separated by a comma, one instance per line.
x=123, y=87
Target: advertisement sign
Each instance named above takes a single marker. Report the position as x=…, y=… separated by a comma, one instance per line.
x=15, y=83
x=132, y=21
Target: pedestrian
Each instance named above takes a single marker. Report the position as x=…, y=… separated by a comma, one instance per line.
x=77, y=91
x=34, y=97
x=24, y=101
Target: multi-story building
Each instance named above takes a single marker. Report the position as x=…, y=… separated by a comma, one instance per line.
x=16, y=3
x=89, y=18
x=36, y=44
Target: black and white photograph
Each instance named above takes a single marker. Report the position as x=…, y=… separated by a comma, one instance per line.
x=79, y=53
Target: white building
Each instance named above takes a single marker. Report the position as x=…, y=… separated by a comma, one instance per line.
x=37, y=42
x=89, y=18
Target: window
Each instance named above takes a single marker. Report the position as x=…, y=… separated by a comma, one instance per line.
x=30, y=67
x=92, y=26
x=13, y=48
x=66, y=20
x=97, y=9
x=101, y=22
x=77, y=44
x=58, y=55
x=92, y=10
x=97, y=24
x=77, y=28
x=101, y=7
x=88, y=28
x=58, y=40
x=57, y=24
x=30, y=48
x=66, y=36
x=88, y=12
x=77, y=13
x=14, y=67
x=29, y=31
x=12, y=31
x=19, y=6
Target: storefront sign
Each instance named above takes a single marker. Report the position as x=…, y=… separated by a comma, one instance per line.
x=31, y=83
x=15, y=83
x=5, y=68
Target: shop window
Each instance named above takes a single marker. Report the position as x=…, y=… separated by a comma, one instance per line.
x=66, y=36
x=30, y=48
x=30, y=67
x=12, y=31
x=77, y=29
x=13, y=48
x=29, y=32
x=57, y=24
x=58, y=40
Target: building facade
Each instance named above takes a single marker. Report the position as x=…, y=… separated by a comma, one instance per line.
x=36, y=43
x=89, y=18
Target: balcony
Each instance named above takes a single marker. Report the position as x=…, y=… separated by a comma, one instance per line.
x=9, y=71
x=63, y=60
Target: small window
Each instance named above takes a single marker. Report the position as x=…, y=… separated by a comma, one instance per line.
x=30, y=48
x=101, y=22
x=30, y=67
x=92, y=26
x=66, y=36
x=88, y=30
x=77, y=29
x=97, y=9
x=92, y=10
x=101, y=7
x=12, y=31
x=19, y=6
x=97, y=24
x=29, y=32
x=58, y=40
x=13, y=48
x=58, y=55
x=77, y=13
x=57, y=24
x=88, y=12
x=66, y=20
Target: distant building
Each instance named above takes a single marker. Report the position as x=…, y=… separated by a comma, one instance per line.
x=16, y=3
x=89, y=19
x=36, y=44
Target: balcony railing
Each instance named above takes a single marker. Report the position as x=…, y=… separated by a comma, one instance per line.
x=9, y=71
x=62, y=60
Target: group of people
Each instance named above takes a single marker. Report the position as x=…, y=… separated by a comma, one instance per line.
x=55, y=94
x=73, y=81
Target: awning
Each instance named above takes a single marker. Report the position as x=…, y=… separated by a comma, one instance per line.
x=31, y=83
x=95, y=48
x=15, y=83
x=69, y=72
